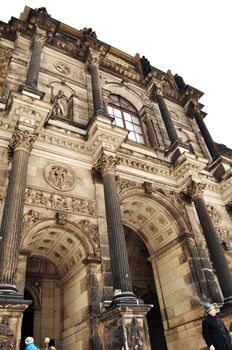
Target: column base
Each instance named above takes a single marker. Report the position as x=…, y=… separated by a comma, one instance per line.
x=31, y=91
x=125, y=299
x=125, y=327
x=11, y=315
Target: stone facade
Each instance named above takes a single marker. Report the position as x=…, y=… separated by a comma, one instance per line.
x=115, y=202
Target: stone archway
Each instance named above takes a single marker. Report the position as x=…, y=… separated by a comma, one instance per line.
x=56, y=269
x=144, y=286
x=162, y=228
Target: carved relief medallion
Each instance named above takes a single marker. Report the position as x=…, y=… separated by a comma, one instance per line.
x=59, y=177
x=62, y=68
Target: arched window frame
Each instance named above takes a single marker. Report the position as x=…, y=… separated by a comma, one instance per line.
x=127, y=118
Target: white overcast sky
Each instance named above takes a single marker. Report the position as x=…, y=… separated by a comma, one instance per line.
x=189, y=37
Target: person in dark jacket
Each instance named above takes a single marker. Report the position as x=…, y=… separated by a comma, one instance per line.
x=215, y=333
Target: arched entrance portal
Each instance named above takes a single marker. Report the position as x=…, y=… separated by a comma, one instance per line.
x=144, y=286
x=56, y=277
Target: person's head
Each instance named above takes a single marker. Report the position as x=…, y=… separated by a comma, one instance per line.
x=210, y=309
x=29, y=340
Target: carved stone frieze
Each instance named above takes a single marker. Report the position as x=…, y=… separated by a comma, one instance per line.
x=59, y=177
x=214, y=214
x=22, y=140
x=51, y=200
x=29, y=218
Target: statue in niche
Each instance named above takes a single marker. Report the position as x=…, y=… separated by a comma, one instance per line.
x=61, y=104
x=6, y=334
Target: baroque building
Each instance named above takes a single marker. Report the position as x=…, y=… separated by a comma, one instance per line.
x=116, y=203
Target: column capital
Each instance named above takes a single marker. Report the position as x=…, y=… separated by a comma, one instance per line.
x=193, y=107
x=93, y=57
x=107, y=164
x=196, y=189
x=156, y=90
x=22, y=140
x=40, y=35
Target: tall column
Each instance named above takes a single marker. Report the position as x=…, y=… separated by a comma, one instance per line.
x=195, y=190
x=93, y=61
x=117, y=244
x=34, y=65
x=21, y=145
x=172, y=134
x=194, y=111
x=146, y=113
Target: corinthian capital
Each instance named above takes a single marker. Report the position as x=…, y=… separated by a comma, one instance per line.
x=196, y=189
x=156, y=90
x=192, y=108
x=94, y=57
x=40, y=35
x=22, y=140
x=107, y=164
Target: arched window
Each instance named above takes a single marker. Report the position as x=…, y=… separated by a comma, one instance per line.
x=126, y=116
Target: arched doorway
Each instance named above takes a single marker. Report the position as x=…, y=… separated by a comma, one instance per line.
x=144, y=286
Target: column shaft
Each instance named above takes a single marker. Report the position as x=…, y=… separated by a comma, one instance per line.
x=151, y=132
x=207, y=137
x=96, y=88
x=215, y=248
x=172, y=134
x=13, y=217
x=34, y=65
x=117, y=242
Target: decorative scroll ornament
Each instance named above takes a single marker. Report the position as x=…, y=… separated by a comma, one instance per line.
x=135, y=340
x=229, y=208
x=214, y=214
x=23, y=140
x=59, y=177
x=6, y=335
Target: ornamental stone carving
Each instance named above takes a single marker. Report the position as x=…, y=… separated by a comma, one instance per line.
x=134, y=336
x=6, y=335
x=91, y=230
x=30, y=218
x=50, y=200
x=59, y=177
x=107, y=164
x=214, y=214
x=62, y=68
x=94, y=57
x=196, y=189
x=22, y=140
x=40, y=35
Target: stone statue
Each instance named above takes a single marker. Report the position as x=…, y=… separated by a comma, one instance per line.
x=61, y=104
x=6, y=334
x=145, y=65
x=180, y=82
x=89, y=33
x=135, y=340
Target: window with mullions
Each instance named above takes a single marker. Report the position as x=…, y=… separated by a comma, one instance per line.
x=126, y=116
